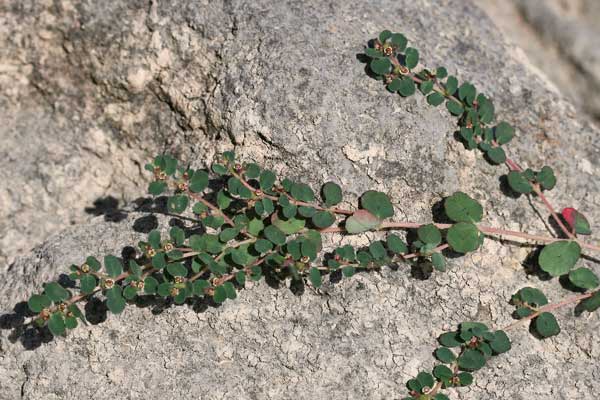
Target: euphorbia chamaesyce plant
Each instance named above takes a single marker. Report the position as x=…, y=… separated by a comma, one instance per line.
x=255, y=223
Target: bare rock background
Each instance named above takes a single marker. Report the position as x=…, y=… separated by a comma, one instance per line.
x=560, y=37
x=90, y=88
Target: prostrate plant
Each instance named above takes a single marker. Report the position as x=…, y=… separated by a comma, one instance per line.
x=254, y=224
x=396, y=65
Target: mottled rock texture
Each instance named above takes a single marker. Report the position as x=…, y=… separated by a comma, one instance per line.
x=560, y=37
x=282, y=84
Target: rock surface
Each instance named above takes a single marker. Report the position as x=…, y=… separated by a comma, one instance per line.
x=281, y=83
x=560, y=38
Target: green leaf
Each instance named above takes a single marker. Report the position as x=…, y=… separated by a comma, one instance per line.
x=323, y=219
x=240, y=277
x=496, y=155
x=38, y=302
x=384, y=35
x=546, y=178
x=486, y=109
x=518, y=182
x=315, y=277
x=475, y=327
x=500, y=343
x=441, y=72
x=406, y=87
x=346, y=252
x=429, y=234
x=164, y=289
x=399, y=40
x=252, y=171
x=56, y=292
x=467, y=93
x=411, y=57
x=442, y=372
x=546, y=325
x=177, y=235
x=394, y=85
x=157, y=187
x=454, y=107
x=523, y=312
x=471, y=360
x=150, y=285
x=262, y=245
x=532, y=296
x=332, y=194
x=223, y=200
x=559, y=257
x=159, y=261
x=241, y=256
x=463, y=237
x=87, y=283
x=200, y=286
x=309, y=249
x=465, y=378
x=449, y=339
x=177, y=269
x=177, y=204
x=130, y=292
x=302, y=192
x=591, y=304
x=425, y=379
x=290, y=226
x=199, y=181
x=361, y=221
x=154, y=239
x=396, y=245
x=445, y=355
x=228, y=234
x=113, y=266
x=425, y=87
x=380, y=66
x=503, y=133
x=114, y=300
x=438, y=261
x=268, y=206
x=266, y=180
x=373, y=53
x=219, y=169
x=377, y=203
x=461, y=208
x=584, y=278
x=364, y=258
x=56, y=324
x=377, y=250
x=275, y=235
x=93, y=263
x=414, y=385
x=451, y=85
x=435, y=99
x=230, y=290
x=220, y=295
x=255, y=226
x=70, y=322
x=306, y=212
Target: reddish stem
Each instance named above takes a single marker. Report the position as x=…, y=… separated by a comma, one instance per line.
x=550, y=307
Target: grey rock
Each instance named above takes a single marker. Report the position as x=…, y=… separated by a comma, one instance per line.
x=560, y=38
x=281, y=83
